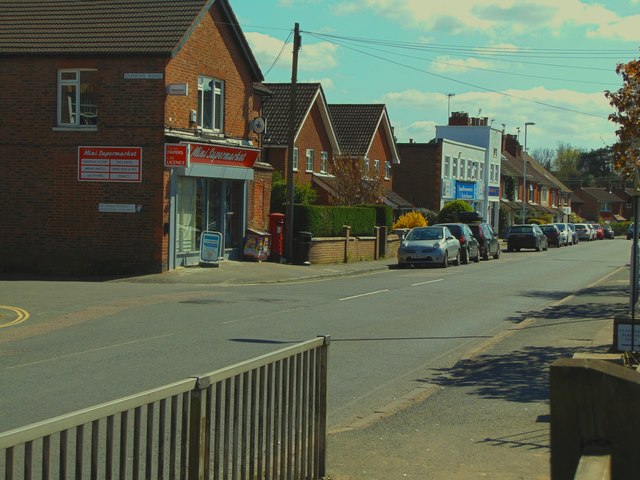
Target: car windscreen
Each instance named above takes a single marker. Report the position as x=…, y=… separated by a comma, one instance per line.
x=560, y=226
x=425, y=234
x=521, y=229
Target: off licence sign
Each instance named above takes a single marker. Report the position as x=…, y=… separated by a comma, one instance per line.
x=176, y=155
x=110, y=164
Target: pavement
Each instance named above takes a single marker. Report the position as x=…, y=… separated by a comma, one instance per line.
x=248, y=272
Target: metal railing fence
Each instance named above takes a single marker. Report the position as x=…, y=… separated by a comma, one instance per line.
x=264, y=418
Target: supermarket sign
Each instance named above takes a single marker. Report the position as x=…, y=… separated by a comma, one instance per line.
x=110, y=164
x=223, y=155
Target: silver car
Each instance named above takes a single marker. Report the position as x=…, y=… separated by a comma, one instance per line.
x=566, y=235
x=433, y=245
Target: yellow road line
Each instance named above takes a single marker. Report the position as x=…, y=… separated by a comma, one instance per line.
x=22, y=315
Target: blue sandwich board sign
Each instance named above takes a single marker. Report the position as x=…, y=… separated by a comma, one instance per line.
x=210, y=248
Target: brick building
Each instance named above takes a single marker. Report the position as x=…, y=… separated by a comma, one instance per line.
x=92, y=92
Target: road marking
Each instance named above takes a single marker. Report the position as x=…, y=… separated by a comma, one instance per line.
x=428, y=281
x=363, y=295
x=21, y=315
x=91, y=350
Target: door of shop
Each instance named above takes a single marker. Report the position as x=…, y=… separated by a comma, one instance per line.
x=207, y=204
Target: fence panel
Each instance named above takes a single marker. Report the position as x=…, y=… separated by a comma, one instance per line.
x=260, y=419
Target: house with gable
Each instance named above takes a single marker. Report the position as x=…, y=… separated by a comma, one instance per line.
x=365, y=133
x=598, y=204
x=130, y=137
x=314, y=138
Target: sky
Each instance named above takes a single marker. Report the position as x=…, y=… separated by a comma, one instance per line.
x=548, y=62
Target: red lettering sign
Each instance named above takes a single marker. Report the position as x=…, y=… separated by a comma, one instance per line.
x=222, y=155
x=176, y=155
x=110, y=164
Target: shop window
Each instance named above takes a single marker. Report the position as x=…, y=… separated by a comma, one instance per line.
x=77, y=105
x=210, y=104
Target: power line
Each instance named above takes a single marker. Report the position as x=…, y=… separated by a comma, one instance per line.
x=460, y=81
x=279, y=54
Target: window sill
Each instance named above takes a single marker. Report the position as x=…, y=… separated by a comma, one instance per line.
x=74, y=128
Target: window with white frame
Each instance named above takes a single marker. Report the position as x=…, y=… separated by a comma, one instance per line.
x=376, y=168
x=295, y=158
x=463, y=166
x=210, y=104
x=77, y=105
x=492, y=170
x=309, y=159
x=454, y=173
x=544, y=195
x=605, y=207
x=387, y=169
x=365, y=168
x=495, y=152
x=470, y=170
x=481, y=171
x=324, y=159
x=447, y=166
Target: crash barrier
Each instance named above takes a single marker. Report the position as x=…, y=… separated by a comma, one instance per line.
x=263, y=418
x=594, y=419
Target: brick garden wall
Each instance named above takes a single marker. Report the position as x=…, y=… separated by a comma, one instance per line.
x=326, y=250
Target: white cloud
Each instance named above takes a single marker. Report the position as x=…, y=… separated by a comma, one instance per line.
x=458, y=65
x=313, y=57
x=589, y=129
x=500, y=18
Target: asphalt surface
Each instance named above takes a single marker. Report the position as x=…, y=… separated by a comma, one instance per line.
x=488, y=416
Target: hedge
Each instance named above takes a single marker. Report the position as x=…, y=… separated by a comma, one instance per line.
x=327, y=221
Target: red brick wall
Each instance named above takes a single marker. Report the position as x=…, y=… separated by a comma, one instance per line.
x=312, y=135
x=259, y=200
x=50, y=220
x=417, y=177
x=381, y=150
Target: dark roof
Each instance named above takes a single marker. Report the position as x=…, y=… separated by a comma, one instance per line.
x=396, y=200
x=355, y=125
x=276, y=109
x=107, y=27
x=600, y=194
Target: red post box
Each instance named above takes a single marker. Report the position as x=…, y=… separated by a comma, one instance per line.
x=276, y=229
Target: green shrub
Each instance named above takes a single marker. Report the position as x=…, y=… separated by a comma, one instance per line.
x=449, y=212
x=329, y=221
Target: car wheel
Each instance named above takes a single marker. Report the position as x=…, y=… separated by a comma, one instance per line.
x=497, y=254
x=456, y=262
x=485, y=254
x=445, y=261
x=465, y=257
x=477, y=258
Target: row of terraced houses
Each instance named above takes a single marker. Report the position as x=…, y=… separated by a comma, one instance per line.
x=131, y=126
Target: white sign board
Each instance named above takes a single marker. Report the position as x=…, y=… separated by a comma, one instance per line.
x=119, y=208
x=210, y=248
x=143, y=76
x=624, y=338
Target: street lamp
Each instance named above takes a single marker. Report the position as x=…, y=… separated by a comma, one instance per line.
x=525, y=197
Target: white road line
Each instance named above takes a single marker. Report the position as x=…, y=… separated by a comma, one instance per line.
x=363, y=295
x=429, y=281
x=106, y=347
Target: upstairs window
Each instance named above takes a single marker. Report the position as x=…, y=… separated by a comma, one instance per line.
x=295, y=158
x=309, y=159
x=387, y=170
x=447, y=166
x=324, y=158
x=211, y=104
x=376, y=168
x=76, y=98
x=365, y=168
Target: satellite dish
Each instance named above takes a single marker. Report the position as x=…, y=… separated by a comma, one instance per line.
x=258, y=125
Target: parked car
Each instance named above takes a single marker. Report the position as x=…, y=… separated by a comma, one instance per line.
x=566, y=235
x=488, y=240
x=584, y=232
x=552, y=232
x=526, y=236
x=630, y=231
x=429, y=246
x=608, y=232
x=469, y=245
x=599, y=232
x=574, y=234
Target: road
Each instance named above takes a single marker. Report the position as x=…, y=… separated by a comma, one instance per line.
x=89, y=342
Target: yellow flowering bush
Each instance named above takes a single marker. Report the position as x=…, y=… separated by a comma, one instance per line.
x=410, y=220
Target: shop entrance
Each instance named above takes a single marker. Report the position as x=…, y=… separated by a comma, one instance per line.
x=203, y=204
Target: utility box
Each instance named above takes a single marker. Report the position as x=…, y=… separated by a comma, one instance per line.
x=303, y=249
x=276, y=229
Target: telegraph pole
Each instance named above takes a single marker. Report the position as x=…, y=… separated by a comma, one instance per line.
x=288, y=221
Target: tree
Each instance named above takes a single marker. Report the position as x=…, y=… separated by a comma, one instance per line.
x=565, y=165
x=599, y=164
x=545, y=157
x=626, y=101
x=449, y=212
x=352, y=185
x=302, y=193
